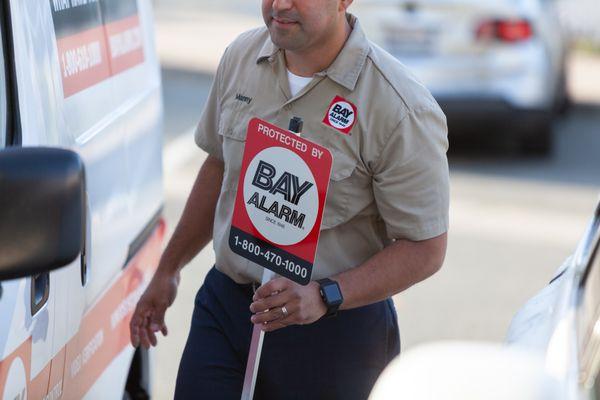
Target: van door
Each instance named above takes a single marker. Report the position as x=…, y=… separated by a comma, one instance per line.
x=84, y=88
x=27, y=306
x=106, y=83
x=66, y=100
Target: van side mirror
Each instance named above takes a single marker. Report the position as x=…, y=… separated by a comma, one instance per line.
x=42, y=210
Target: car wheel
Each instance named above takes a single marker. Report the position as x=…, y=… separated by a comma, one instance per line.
x=539, y=142
x=562, y=102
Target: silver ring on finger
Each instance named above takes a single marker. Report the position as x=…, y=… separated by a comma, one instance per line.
x=284, y=311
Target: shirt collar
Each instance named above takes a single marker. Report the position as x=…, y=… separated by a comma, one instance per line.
x=267, y=52
x=346, y=67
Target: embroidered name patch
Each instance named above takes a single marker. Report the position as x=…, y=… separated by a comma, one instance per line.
x=341, y=115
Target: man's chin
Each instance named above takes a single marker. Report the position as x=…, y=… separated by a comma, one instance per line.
x=286, y=42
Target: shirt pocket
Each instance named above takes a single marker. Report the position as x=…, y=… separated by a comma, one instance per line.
x=337, y=206
x=232, y=129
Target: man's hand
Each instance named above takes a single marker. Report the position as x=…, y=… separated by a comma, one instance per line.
x=304, y=304
x=149, y=315
x=192, y=233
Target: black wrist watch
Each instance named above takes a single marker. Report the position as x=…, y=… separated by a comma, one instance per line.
x=331, y=295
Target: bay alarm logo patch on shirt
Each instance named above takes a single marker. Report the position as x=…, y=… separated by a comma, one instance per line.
x=341, y=115
x=280, y=200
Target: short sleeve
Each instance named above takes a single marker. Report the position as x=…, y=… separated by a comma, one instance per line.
x=207, y=132
x=411, y=177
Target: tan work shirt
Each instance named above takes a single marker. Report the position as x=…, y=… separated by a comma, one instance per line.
x=390, y=172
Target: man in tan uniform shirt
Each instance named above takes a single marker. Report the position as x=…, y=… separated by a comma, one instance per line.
x=386, y=217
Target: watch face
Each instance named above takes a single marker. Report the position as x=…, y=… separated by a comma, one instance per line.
x=332, y=293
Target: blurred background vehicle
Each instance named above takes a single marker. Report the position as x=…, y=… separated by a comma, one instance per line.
x=466, y=371
x=562, y=322
x=497, y=68
x=552, y=351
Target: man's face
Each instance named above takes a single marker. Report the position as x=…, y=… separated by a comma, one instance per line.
x=298, y=24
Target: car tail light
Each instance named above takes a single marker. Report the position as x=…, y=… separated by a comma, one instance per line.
x=505, y=30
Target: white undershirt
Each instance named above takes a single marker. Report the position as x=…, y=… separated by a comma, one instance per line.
x=297, y=83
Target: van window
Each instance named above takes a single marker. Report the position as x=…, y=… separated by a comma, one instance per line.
x=3, y=94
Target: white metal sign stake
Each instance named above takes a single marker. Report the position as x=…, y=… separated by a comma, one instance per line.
x=256, y=344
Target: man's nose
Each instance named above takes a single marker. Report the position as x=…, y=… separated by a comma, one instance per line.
x=282, y=5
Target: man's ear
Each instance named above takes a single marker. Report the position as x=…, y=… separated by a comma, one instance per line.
x=344, y=4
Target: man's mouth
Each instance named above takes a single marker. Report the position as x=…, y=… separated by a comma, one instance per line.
x=284, y=21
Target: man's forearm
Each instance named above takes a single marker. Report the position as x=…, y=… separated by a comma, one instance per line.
x=194, y=230
x=392, y=270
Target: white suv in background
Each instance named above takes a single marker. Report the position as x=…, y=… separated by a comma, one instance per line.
x=490, y=64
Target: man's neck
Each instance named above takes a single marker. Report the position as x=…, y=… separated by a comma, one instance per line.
x=318, y=58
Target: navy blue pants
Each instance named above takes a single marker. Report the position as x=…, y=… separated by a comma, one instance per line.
x=334, y=358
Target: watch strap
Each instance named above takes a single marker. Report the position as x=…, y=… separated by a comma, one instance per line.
x=332, y=304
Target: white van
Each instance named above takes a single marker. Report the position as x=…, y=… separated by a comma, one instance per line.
x=81, y=196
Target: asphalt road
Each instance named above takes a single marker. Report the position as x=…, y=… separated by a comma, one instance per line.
x=513, y=219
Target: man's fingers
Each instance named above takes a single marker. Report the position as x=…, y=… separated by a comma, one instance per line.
x=157, y=321
x=275, y=314
x=134, y=333
x=136, y=324
x=275, y=285
x=162, y=328
x=144, y=339
x=145, y=322
x=266, y=317
x=152, y=337
x=267, y=303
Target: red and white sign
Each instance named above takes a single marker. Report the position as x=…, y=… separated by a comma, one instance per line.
x=94, y=55
x=126, y=43
x=84, y=60
x=341, y=115
x=280, y=200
